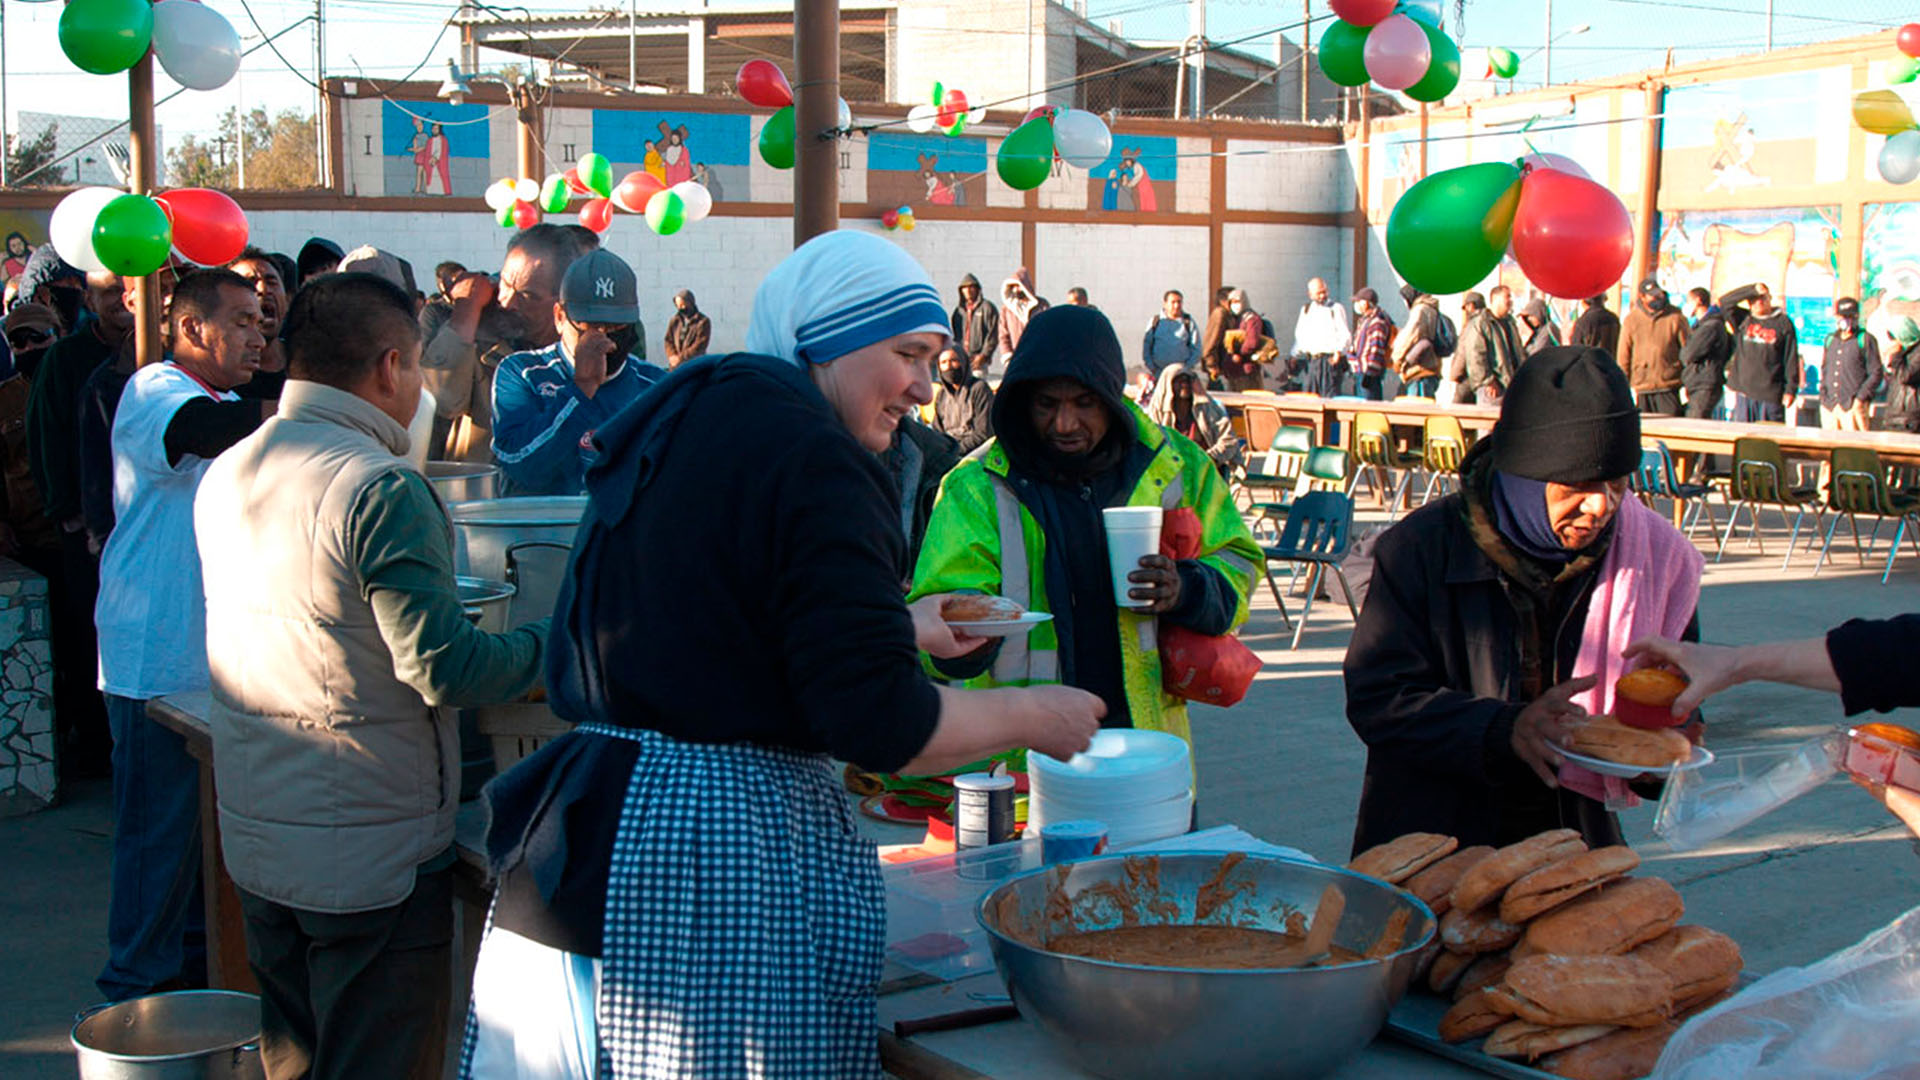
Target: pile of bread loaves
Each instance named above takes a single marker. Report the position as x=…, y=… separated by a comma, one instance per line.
x=1552, y=952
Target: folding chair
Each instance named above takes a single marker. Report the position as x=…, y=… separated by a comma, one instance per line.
x=1760, y=478
x=1319, y=528
x=1443, y=446
x=1859, y=486
x=1375, y=452
x=1655, y=479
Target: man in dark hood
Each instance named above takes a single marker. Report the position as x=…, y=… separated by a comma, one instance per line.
x=962, y=401
x=688, y=332
x=976, y=325
x=1073, y=447
x=49, y=280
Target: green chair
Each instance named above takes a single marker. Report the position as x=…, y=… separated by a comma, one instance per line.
x=1443, y=446
x=1375, y=452
x=1760, y=478
x=1317, y=535
x=1274, y=465
x=1859, y=486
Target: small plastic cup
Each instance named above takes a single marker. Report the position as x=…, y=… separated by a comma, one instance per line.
x=1133, y=533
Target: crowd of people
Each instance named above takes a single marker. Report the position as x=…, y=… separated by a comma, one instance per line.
x=240, y=517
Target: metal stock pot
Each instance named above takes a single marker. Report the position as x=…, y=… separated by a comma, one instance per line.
x=463, y=481
x=524, y=542
x=189, y=1035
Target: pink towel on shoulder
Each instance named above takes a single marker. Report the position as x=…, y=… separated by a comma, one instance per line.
x=1649, y=584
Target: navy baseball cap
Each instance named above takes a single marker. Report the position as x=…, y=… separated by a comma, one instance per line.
x=600, y=288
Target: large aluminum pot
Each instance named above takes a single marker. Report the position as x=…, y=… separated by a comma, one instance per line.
x=188, y=1035
x=463, y=481
x=525, y=542
x=1128, y=1020
x=486, y=603
x=489, y=605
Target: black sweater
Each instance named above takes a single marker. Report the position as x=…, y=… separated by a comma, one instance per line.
x=1766, y=358
x=1871, y=658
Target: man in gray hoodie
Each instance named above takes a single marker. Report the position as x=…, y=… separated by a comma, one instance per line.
x=976, y=325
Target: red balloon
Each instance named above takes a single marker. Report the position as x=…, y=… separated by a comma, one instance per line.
x=526, y=215
x=597, y=214
x=208, y=226
x=890, y=218
x=952, y=107
x=635, y=190
x=762, y=83
x=1571, y=236
x=1038, y=111
x=575, y=186
x=1908, y=39
x=1362, y=12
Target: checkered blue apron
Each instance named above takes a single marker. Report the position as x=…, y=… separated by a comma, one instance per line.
x=744, y=919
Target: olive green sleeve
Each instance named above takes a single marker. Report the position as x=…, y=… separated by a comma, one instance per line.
x=398, y=539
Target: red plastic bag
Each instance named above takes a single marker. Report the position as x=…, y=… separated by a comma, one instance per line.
x=1193, y=666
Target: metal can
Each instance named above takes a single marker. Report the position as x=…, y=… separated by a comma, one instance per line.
x=1067, y=840
x=982, y=809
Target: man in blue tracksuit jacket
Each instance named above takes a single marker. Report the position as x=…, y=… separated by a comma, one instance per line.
x=548, y=402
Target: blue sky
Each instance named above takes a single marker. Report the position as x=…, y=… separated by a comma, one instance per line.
x=388, y=38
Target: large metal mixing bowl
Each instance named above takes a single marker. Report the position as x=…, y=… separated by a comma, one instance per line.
x=1126, y=1021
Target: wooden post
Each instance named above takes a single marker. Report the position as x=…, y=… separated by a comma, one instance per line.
x=1423, y=140
x=527, y=144
x=816, y=159
x=1645, y=249
x=141, y=145
x=1362, y=237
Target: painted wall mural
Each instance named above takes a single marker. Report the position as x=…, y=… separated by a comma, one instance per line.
x=1742, y=134
x=907, y=169
x=1794, y=250
x=433, y=148
x=1890, y=262
x=712, y=148
x=1137, y=177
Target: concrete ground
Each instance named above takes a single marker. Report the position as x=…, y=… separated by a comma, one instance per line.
x=1791, y=888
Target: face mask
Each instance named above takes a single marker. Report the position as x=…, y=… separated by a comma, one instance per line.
x=624, y=339
x=1237, y=307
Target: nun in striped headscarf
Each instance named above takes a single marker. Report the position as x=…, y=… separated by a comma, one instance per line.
x=682, y=888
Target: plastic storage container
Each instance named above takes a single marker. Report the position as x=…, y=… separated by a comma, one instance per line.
x=931, y=926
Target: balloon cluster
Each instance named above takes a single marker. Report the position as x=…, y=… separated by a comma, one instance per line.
x=1075, y=136
x=102, y=228
x=520, y=204
x=948, y=113
x=1571, y=236
x=762, y=83
x=1397, y=45
x=1892, y=111
x=897, y=219
x=196, y=45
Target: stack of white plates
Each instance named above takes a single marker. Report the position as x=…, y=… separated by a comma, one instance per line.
x=1140, y=783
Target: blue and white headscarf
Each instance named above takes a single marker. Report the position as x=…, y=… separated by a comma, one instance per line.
x=840, y=292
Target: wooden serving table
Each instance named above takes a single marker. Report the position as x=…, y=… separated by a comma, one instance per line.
x=226, y=927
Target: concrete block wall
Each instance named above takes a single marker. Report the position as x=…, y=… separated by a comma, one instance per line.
x=1125, y=270
x=1268, y=176
x=1273, y=262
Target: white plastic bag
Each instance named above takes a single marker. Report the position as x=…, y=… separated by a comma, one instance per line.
x=1853, y=1016
x=1738, y=787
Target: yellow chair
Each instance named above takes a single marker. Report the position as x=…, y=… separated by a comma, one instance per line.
x=1373, y=448
x=1443, y=446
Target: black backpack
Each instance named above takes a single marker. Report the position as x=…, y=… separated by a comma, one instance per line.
x=1446, y=336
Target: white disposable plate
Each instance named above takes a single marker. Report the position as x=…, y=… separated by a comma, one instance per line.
x=1002, y=627
x=1701, y=757
x=1117, y=754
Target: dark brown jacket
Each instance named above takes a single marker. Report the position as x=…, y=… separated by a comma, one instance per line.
x=1650, y=344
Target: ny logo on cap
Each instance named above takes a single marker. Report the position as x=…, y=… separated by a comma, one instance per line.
x=603, y=288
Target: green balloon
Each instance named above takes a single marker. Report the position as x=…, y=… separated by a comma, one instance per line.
x=596, y=172
x=504, y=217
x=554, y=193
x=1026, y=155
x=776, y=139
x=1504, y=62
x=1443, y=73
x=106, y=36
x=1903, y=69
x=1343, y=49
x=132, y=236
x=1448, y=232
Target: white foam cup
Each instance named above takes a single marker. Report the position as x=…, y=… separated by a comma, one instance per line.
x=1133, y=532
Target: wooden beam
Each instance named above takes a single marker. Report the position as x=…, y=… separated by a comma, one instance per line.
x=1216, y=218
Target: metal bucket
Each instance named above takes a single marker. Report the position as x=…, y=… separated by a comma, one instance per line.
x=188, y=1035
x=463, y=481
x=488, y=604
x=524, y=542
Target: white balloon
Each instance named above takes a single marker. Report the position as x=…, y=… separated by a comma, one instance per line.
x=844, y=118
x=1900, y=158
x=70, y=229
x=977, y=115
x=196, y=45
x=500, y=195
x=1081, y=138
x=921, y=117
x=527, y=191
x=695, y=197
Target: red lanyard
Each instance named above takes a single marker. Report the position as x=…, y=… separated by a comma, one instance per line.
x=197, y=381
